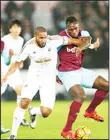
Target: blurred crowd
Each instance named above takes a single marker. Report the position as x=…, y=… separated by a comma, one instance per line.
x=92, y=15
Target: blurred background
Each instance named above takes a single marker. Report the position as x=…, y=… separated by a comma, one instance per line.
x=93, y=16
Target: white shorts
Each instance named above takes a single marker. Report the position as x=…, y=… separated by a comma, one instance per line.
x=45, y=83
x=15, y=79
x=83, y=76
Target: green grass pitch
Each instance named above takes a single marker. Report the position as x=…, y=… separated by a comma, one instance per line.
x=50, y=128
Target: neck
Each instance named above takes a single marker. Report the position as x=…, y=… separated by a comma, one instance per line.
x=13, y=36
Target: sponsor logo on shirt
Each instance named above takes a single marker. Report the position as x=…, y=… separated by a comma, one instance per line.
x=71, y=49
x=42, y=60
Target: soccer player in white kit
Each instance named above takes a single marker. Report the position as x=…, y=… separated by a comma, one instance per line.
x=41, y=75
x=13, y=45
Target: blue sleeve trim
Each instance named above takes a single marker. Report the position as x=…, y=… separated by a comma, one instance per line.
x=58, y=48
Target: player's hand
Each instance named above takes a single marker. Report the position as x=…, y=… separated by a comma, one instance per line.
x=58, y=80
x=85, y=41
x=78, y=51
x=4, y=79
x=96, y=44
x=11, y=53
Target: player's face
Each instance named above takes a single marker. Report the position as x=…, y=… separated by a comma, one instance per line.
x=73, y=29
x=15, y=30
x=40, y=38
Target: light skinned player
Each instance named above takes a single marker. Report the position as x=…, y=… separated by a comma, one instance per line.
x=13, y=45
x=43, y=56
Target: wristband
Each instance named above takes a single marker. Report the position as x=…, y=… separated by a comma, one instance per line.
x=91, y=46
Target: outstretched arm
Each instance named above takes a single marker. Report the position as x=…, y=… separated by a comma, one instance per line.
x=81, y=42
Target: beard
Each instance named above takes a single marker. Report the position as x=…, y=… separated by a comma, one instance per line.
x=41, y=45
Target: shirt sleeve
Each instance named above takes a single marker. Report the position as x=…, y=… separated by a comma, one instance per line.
x=7, y=59
x=60, y=41
x=85, y=33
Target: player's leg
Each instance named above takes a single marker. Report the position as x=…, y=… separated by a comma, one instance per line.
x=18, y=116
x=71, y=81
x=97, y=82
x=28, y=92
x=102, y=87
x=16, y=83
x=18, y=89
x=47, y=97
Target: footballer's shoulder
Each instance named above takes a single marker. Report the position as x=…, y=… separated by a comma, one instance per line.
x=5, y=37
x=21, y=38
x=62, y=33
x=85, y=33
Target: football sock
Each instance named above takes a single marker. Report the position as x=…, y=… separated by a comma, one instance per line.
x=98, y=98
x=17, y=118
x=73, y=112
x=36, y=110
x=18, y=100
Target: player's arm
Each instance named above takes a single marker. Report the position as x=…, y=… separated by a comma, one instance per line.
x=7, y=58
x=18, y=63
x=83, y=42
x=69, y=41
x=94, y=45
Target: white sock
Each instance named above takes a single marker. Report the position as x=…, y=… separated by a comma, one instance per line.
x=17, y=118
x=36, y=110
x=18, y=99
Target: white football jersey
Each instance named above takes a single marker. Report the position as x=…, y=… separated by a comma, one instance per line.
x=45, y=58
x=10, y=43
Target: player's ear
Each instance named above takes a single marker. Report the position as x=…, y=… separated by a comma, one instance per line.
x=10, y=30
x=34, y=34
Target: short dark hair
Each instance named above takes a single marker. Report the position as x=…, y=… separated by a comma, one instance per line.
x=71, y=19
x=40, y=29
x=15, y=21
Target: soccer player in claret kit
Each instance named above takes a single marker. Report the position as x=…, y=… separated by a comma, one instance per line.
x=74, y=77
x=3, y=130
x=43, y=56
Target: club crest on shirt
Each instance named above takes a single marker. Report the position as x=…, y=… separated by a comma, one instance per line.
x=49, y=49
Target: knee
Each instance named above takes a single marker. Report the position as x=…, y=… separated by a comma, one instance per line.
x=18, y=89
x=101, y=84
x=45, y=111
x=78, y=92
x=104, y=86
x=24, y=103
x=81, y=98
